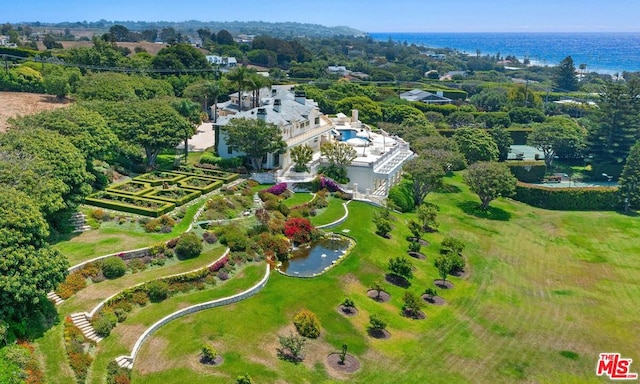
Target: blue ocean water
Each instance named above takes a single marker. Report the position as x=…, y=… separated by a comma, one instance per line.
x=601, y=52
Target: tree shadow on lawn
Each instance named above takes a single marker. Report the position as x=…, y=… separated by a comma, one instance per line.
x=448, y=188
x=492, y=213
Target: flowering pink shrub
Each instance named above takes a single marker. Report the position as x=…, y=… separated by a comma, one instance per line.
x=329, y=185
x=277, y=189
x=298, y=229
x=219, y=264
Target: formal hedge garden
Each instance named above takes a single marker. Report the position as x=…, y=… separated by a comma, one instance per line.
x=156, y=193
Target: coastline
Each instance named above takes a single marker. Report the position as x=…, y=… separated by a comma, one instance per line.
x=603, y=52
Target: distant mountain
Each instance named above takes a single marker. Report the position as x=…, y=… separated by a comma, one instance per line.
x=282, y=29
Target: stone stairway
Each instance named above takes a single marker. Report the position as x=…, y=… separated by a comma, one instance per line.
x=80, y=320
x=79, y=222
x=57, y=300
x=125, y=362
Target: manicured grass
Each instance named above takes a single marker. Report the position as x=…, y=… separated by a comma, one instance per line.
x=124, y=335
x=112, y=238
x=298, y=199
x=331, y=213
x=542, y=283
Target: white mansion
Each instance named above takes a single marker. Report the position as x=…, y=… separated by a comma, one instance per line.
x=380, y=157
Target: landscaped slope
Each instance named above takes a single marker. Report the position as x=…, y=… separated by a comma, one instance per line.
x=548, y=292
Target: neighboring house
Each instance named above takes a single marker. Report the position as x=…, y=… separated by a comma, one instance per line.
x=425, y=97
x=339, y=70
x=4, y=42
x=299, y=119
x=222, y=62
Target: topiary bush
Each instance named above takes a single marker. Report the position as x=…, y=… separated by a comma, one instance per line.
x=113, y=267
x=188, y=246
x=307, y=324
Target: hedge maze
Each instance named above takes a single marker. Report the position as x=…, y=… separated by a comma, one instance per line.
x=156, y=193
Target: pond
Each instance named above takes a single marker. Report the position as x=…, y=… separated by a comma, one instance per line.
x=314, y=259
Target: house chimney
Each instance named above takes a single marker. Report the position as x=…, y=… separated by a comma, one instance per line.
x=300, y=97
x=277, y=105
x=273, y=92
x=354, y=115
x=262, y=114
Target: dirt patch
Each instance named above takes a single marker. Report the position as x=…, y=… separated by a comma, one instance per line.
x=396, y=280
x=443, y=284
x=415, y=315
x=350, y=364
x=417, y=255
x=435, y=300
x=129, y=334
x=347, y=311
x=155, y=361
x=379, y=296
x=16, y=104
x=379, y=333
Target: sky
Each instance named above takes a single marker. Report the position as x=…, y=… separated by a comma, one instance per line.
x=365, y=15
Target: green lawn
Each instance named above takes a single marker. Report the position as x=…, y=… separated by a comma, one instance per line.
x=112, y=237
x=124, y=335
x=331, y=213
x=547, y=292
x=298, y=199
x=542, y=284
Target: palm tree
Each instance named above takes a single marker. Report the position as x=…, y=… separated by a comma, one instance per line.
x=240, y=76
x=257, y=82
x=191, y=112
x=583, y=68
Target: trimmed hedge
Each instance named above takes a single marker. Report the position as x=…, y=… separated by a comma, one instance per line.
x=226, y=176
x=528, y=171
x=192, y=193
x=159, y=178
x=214, y=183
x=519, y=135
x=568, y=199
x=124, y=206
x=119, y=188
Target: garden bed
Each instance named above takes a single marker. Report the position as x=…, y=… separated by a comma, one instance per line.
x=130, y=204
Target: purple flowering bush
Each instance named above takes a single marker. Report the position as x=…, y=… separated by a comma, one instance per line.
x=329, y=185
x=277, y=189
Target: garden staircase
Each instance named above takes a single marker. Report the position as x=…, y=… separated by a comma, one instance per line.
x=57, y=300
x=80, y=320
x=79, y=222
x=125, y=362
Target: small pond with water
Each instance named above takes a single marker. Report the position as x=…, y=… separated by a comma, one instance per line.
x=313, y=259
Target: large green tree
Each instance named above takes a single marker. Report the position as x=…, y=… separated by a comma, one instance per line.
x=629, y=181
x=154, y=125
x=490, y=180
x=338, y=155
x=29, y=268
x=425, y=175
x=565, y=75
x=87, y=130
x=476, y=145
x=503, y=141
x=49, y=158
x=557, y=134
x=181, y=56
x=615, y=126
x=255, y=138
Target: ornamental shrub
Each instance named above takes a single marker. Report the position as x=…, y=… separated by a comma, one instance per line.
x=277, y=189
x=157, y=290
x=188, y=246
x=307, y=324
x=298, y=229
x=113, y=267
x=104, y=323
x=219, y=264
x=329, y=185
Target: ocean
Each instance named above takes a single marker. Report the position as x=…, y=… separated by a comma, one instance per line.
x=601, y=52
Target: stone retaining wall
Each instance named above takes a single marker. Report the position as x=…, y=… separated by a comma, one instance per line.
x=102, y=303
x=339, y=221
x=199, y=307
